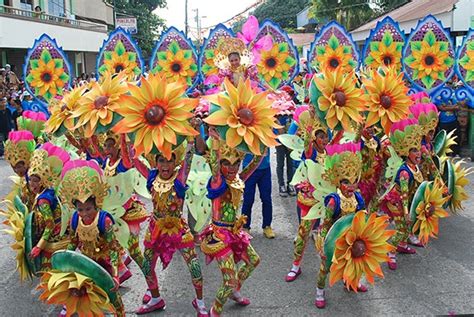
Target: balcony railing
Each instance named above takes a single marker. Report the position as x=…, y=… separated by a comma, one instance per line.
x=50, y=19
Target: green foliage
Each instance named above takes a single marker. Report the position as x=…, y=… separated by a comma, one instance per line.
x=350, y=13
x=282, y=12
x=148, y=23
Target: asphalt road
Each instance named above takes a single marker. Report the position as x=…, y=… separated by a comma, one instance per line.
x=438, y=280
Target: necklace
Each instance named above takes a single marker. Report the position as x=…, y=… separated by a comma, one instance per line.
x=109, y=170
x=348, y=204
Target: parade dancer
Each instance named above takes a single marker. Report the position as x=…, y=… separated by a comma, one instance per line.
x=18, y=151
x=315, y=136
x=168, y=231
x=225, y=240
x=405, y=138
x=45, y=167
x=117, y=160
x=91, y=229
x=343, y=167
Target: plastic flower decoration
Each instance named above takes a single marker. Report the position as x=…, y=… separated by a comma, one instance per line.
x=16, y=222
x=176, y=64
x=340, y=102
x=386, y=53
x=429, y=59
x=467, y=61
x=249, y=33
x=460, y=182
x=248, y=115
x=98, y=106
x=209, y=68
x=78, y=293
x=47, y=76
x=275, y=64
x=61, y=112
x=429, y=211
x=387, y=100
x=334, y=56
x=156, y=112
x=119, y=60
x=360, y=249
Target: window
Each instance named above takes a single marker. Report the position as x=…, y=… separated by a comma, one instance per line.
x=26, y=5
x=57, y=7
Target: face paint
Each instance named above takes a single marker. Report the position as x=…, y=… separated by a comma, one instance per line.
x=165, y=167
x=111, y=149
x=321, y=141
x=414, y=156
x=347, y=188
x=35, y=184
x=228, y=170
x=20, y=169
x=87, y=210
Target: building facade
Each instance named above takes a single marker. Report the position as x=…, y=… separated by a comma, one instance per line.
x=79, y=26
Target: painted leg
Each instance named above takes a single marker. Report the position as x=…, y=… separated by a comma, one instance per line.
x=229, y=283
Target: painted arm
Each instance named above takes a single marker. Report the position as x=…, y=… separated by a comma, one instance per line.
x=215, y=163
x=47, y=214
x=252, y=166
x=404, y=188
x=141, y=167
x=324, y=227
x=186, y=167
x=114, y=246
x=72, y=246
x=126, y=160
x=73, y=141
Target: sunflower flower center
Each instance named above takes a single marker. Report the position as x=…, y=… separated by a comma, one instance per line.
x=334, y=62
x=119, y=68
x=385, y=101
x=271, y=62
x=78, y=292
x=429, y=60
x=245, y=116
x=154, y=115
x=176, y=67
x=46, y=77
x=358, y=249
x=430, y=210
x=101, y=101
x=340, y=98
x=387, y=60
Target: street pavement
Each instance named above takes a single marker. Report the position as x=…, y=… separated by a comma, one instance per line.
x=438, y=280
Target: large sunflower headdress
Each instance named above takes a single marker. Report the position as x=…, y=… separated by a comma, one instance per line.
x=405, y=135
x=97, y=108
x=427, y=115
x=337, y=99
x=388, y=99
x=32, y=121
x=61, y=119
x=343, y=161
x=156, y=114
x=19, y=147
x=47, y=163
x=80, y=180
x=228, y=46
x=244, y=118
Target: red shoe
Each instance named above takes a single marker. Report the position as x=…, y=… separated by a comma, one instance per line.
x=146, y=298
x=413, y=240
x=201, y=312
x=361, y=288
x=291, y=277
x=320, y=301
x=145, y=309
x=242, y=301
x=125, y=276
x=392, y=262
x=212, y=313
x=127, y=260
x=405, y=249
x=63, y=312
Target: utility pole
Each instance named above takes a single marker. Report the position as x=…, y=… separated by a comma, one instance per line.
x=198, y=25
x=186, y=17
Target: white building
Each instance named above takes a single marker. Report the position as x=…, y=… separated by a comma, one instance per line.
x=456, y=15
x=79, y=26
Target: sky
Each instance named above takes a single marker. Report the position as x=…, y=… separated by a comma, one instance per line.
x=215, y=11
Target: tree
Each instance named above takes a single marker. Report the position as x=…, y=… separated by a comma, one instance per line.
x=351, y=13
x=282, y=12
x=149, y=24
